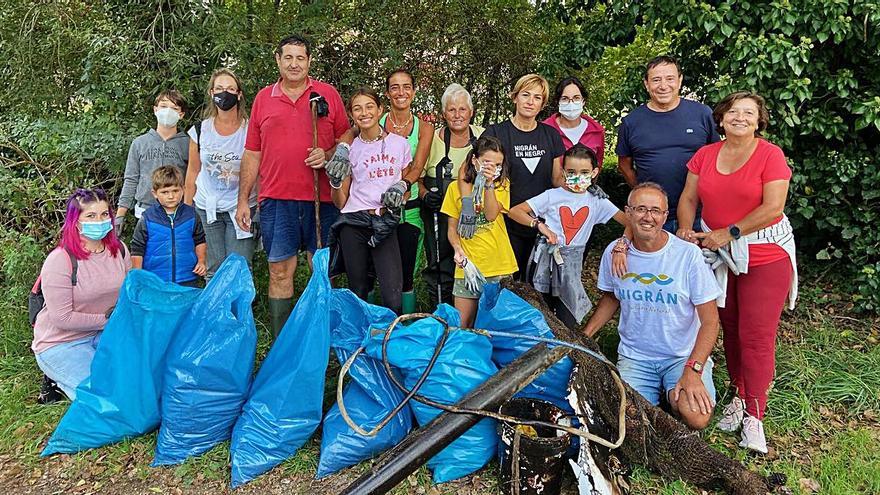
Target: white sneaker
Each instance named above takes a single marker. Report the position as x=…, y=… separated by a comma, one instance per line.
x=753, y=435
x=732, y=415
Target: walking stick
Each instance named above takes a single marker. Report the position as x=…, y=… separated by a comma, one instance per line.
x=315, y=101
x=437, y=252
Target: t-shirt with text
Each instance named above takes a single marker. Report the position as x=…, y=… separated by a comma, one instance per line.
x=375, y=167
x=658, y=298
x=220, y=157
x=530, y=155
x=571, y=216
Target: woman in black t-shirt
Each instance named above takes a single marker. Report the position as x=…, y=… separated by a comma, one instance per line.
x=534, y=151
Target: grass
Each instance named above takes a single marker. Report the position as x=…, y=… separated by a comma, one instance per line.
x=823, y=423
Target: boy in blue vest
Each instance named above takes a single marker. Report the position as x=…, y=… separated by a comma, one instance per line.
x=169, y=239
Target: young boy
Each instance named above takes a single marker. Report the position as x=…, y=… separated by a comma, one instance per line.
x=163, y=145
x=169, y=239
x=565, y=217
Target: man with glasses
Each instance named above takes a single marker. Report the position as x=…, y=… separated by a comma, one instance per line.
x=668, y=318
x=656, y=140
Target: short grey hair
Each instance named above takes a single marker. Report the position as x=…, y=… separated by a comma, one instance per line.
x=648, y=185
x=453, y=92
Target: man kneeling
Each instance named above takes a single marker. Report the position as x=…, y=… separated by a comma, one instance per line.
x=668, y=317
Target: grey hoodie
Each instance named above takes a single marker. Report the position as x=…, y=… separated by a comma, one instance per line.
x=147, y=153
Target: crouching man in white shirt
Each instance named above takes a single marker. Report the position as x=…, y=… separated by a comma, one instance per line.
x=668, y=317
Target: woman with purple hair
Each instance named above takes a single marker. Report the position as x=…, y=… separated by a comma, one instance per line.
x=67, y=329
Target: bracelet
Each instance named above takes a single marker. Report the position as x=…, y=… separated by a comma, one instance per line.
x=535, y=222
x=622, y=246
x=408, y=183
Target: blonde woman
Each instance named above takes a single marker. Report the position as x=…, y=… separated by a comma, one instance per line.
x=212, y=178
x=534, y=151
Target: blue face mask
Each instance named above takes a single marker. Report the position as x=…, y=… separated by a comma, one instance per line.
x=96, y=230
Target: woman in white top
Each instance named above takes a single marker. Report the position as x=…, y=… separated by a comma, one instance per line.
x=215, y=150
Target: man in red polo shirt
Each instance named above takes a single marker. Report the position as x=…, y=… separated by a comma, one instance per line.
x=279, y=148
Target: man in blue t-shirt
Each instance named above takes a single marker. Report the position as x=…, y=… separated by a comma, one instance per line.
x=656, y=140
x=668, y=317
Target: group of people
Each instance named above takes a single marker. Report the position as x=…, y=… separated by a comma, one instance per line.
x=705, y=237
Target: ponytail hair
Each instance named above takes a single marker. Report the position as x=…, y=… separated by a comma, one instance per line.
x=481, y=146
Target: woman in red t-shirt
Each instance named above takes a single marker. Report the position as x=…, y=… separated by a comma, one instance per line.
x=742, y=183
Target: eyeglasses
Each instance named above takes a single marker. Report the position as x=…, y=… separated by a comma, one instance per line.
x=575, y=99
x=220, y=89
x=641, y=210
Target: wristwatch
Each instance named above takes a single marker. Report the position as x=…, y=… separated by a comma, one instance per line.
x=695, y=365
x=734, y=232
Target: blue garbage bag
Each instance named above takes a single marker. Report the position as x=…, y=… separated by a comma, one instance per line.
x=502, y=310
x=368, y=397
x=285, y=403
x=464, y=364
x=210, y=366
x=121, y=397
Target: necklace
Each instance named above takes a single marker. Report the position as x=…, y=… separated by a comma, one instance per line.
x=377, y=138
x=398, y=127
x=97, y=251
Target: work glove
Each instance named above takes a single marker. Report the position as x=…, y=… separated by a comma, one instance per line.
x=118, y=222
x=467, y=220
x=597, y=191
x=473, y=278
x=478, y=193
x=339, y=167
x=393, y=197
x=433, y=199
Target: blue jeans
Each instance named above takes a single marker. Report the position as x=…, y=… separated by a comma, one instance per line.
x=649, y=378
x=221, y=240
x=69, y=363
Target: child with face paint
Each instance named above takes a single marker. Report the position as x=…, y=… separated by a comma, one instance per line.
x=67, y=329
x=564, y=217
x=164, y=145
x=488, y=247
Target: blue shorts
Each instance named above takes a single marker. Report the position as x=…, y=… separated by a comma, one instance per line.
x=649, y=378
x=288, y=227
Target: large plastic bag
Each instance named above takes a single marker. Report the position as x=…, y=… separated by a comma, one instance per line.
x=502, y=310
x=370, y=395
x=464, y=364
x=285, y=403
x=210, y=366
x=121, y=397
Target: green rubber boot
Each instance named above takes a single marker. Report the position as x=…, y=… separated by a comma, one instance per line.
x=408, y=302
x=279, y=310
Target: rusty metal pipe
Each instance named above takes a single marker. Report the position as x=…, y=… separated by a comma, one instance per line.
x=406, y=457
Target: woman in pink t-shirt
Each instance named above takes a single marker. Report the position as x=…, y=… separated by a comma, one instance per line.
x=67, y=329
x=742, y=183
x=366, y=231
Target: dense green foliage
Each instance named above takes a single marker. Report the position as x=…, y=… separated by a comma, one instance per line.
x=816, y=63
x=80, y=78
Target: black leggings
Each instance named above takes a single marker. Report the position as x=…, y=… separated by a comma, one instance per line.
x=522, y=244
x=385, y=260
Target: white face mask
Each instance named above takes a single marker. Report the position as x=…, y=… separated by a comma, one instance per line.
x=167, y=117
x=572, y=110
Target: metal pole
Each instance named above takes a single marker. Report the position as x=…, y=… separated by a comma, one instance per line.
x=437, y=272
x=402, y=460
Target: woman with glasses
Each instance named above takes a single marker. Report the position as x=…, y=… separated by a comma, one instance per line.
x=215, y=150
x=572, y=123
x=742, y=183
x=80, y=282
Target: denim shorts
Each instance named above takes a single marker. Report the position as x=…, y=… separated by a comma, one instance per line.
x=288, y=227
x=459, y=289
x=649, y=378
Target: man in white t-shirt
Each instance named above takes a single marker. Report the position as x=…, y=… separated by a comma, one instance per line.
x=668, y=317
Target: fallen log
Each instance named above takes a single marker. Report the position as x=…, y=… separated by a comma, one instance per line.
x=654, y=439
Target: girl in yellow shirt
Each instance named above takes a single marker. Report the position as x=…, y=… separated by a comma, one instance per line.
x=488, y=248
